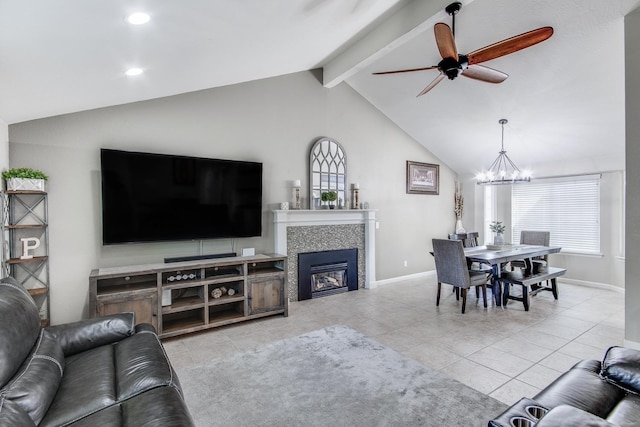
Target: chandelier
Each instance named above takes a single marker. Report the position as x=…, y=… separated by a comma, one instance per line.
x=502, y=170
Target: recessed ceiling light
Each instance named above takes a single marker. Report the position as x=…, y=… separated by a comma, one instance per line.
x=133, y=72
x=138, y=18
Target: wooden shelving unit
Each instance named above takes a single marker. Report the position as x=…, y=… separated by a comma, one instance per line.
x=200, y=296
x=25, y=215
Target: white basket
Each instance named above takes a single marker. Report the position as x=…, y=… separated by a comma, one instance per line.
x=25, y=184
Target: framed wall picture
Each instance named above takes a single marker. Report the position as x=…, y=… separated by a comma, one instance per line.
x=423, y=178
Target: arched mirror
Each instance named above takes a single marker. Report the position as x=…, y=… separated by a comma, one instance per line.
x=328, y=172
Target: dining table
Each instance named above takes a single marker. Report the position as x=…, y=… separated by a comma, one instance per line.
x=497, y=256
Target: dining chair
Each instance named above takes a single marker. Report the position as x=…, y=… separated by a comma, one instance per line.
x=451, y=269
x=472, y=239
x=530, y=237
x=458, y=236
x=469, y=240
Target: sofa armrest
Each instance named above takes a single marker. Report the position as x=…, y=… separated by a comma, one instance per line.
x=85, y=334
x=145, y=327
x=621, y=366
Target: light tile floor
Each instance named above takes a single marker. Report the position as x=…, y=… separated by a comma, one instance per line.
x=505, y=353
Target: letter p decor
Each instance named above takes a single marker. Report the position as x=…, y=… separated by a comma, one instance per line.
x=28, y=244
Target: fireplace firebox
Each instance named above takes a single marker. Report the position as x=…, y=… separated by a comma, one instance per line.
x=327, y=273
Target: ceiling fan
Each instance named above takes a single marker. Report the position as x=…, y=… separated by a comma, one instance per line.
x=453, y=64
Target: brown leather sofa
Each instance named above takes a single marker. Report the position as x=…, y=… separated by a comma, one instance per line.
x=96, y=372
x=592, y=393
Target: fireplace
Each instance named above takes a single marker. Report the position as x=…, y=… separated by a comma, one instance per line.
x=327, y=273
x=300, y=231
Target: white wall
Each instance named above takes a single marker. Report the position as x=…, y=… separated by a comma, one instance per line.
x=4, y=146
x=273, y=121
x=632, y=249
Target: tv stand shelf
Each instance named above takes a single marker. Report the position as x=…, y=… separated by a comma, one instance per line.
x=204, y=293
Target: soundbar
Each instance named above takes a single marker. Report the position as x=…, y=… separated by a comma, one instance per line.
x=198, y=257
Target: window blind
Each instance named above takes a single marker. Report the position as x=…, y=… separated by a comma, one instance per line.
x=567, y=207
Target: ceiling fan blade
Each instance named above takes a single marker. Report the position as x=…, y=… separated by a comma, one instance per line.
x=445, y=41
x=485, y=74
x=432, y=84
x=406, y=71
x=510, y=45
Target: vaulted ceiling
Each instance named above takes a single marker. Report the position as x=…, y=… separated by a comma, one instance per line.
x=564, y=98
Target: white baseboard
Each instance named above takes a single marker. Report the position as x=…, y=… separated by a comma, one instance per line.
x=592, y=284
x=431, y=273
x=420, y=275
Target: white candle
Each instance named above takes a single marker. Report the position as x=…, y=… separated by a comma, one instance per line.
x=296, y=183
x=356, y=186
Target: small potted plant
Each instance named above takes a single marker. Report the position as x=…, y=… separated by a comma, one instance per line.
x=24, y=179
x=498, y=228
x=330, y=197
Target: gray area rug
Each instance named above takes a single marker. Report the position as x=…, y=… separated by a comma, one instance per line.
x=330, y=377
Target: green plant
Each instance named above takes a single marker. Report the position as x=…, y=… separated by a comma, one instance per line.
x=329, y=196
x=497, y=227
x=26, y=173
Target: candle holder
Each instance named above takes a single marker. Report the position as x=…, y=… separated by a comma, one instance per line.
x=296, y=186
x=356, y=191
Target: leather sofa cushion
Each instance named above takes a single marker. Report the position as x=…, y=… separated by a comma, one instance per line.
x=621, y=366
x=87, y=386
x=36, y=383
x=19, y=327
x=162, y=406
x=11, y=414
x=103, y=376
x=568, y=416
x=142, y=365
x=583, y=388
x=627, y=412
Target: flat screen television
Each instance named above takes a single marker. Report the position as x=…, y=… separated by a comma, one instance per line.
x=150, y=197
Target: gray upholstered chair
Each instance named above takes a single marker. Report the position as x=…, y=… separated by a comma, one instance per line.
x=451, y=268
x=458, y=236
x=529, y=237
x=472, y=239
x=468, y=239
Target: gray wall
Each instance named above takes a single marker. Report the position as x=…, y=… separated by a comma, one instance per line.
x=273, y=121
x=632, y=247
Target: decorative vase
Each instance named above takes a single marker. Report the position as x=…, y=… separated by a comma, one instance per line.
x=498, y=239
x=459, y=228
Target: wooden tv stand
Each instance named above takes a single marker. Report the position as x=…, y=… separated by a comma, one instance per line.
x=258, y=287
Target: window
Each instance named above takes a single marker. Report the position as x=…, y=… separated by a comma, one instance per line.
x=490, y=210
x=567, y=207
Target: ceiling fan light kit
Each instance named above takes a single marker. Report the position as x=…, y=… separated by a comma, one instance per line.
x=453, y=64
x=503, y=170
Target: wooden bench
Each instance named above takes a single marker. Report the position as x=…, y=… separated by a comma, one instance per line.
x=527, y=281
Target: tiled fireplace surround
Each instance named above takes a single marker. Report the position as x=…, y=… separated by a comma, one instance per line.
x=300, y=231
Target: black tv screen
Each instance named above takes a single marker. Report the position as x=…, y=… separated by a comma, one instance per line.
x=156, y=197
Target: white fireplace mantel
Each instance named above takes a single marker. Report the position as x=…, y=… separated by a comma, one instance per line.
x=296, y=218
